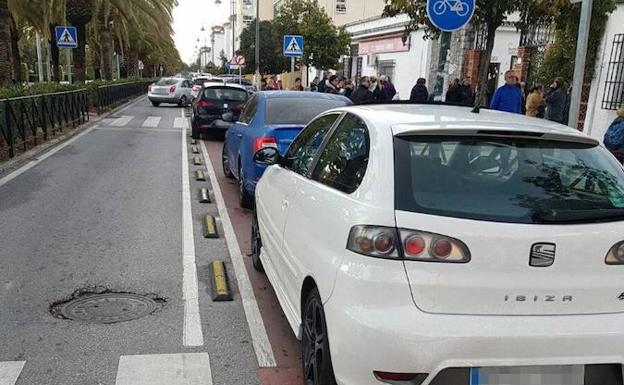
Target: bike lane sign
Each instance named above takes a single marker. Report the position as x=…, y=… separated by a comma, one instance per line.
x=450, y=15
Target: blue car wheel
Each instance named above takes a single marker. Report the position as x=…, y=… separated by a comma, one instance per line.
x=245, y=199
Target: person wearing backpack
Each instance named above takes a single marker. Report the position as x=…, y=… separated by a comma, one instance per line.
x=614, y=137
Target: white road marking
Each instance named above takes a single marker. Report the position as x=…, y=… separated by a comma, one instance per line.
x=181, y=122
x=260, y=339
x=164, y=369
x=53, y=151
x=192, y=334
x=10, y=371
x=128, y=129
x=152, y=121
x=122, y=121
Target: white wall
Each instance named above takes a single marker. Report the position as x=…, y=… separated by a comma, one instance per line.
x=506, y=39
x=409, y=66
x=598, y=120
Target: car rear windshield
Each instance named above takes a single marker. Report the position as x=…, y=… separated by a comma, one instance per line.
x=225, y=93
x=298, y=111
x=508, y=179
x=167, y=82
x=200, y=81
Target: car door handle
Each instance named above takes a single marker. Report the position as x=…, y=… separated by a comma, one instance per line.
x=285, y=204
x=239, y=135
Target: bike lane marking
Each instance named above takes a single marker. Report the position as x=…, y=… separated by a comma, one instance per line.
x=259, y=337
x=192, y=334
x=10, y=371
x=164, y=369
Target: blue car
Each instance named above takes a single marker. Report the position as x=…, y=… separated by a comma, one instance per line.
x=269, y=119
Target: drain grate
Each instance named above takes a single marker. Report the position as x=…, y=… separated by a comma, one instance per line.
x=106, y=308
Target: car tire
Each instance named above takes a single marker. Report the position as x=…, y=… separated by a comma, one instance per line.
x=256, y=243
x=155, y=104
x=195, y=133
x=245, y=199
x=226, y=163
x=315, y=354
x=183, y=101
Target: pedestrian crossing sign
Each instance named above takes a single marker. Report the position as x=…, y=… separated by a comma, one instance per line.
x=293, y=46
x=66, y=37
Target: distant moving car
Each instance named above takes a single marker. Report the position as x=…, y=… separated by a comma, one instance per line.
x=170, y=90
x=198, y=84
x=216, y=108
x=269, y=119
x=431, y=245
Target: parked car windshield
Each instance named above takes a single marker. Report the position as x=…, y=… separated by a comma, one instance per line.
x=167, y=82
x=508, y=179
x=225, y=93
x=299, y=111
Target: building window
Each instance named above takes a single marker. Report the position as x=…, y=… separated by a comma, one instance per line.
x=341, y=6
x=248, y=20
x=247, y=3
x=613, y=96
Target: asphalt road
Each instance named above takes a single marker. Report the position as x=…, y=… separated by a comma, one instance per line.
x=105, y=212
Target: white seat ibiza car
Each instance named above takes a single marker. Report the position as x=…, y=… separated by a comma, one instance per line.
x=427, y=244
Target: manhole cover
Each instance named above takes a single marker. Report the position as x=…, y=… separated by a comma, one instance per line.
x=108, y=307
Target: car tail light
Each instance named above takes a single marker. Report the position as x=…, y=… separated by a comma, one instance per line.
x=172, y=89
x=374, y=241
x=388, y=242
x=196, y=88
x=260, y=143
x=423, y=246
x=149, y=88
x=205, y=104
x=615, y=256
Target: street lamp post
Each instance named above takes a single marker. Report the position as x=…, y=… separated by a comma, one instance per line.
x=257, y=74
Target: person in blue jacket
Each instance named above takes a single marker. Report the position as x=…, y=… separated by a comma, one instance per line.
x=508, y=98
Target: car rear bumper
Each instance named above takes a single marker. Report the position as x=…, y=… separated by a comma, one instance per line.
x=212, y=124
x=164, y=98
x=373, y=325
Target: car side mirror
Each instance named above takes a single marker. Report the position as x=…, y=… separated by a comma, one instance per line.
x=267, y=156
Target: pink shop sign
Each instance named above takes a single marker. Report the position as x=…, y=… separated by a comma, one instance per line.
x=383, y=45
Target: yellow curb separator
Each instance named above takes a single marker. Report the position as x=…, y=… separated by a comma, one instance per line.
x=197, y=161
x=210, y=227
x=199, y=175
x=195, y=150
x=220, y=283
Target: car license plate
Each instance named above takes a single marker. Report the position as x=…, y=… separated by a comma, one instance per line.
x=225, y=105
x=525, y=375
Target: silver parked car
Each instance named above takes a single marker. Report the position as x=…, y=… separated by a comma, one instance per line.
x=170, y=90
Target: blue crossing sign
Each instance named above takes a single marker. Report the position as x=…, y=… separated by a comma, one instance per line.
x=450, y=15
x=66, y=37
x=293, y=45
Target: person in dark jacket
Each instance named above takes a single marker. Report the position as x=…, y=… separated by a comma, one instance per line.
x=321, y=84
x=467, y=94
x=363, y=94
x=331, y=85
x=387, y=88
x=454, y=93
x=556, y=101
x=419, y=92
x=314, y=84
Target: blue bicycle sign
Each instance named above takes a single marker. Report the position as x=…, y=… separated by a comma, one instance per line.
x=450, y=15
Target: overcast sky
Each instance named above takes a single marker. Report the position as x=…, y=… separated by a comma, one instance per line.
x=188, y=19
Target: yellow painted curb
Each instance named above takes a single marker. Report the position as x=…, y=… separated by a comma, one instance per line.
x=197, y=161
x=210, y=227
x=199, y=175
x=220, y=283
x=195, y=150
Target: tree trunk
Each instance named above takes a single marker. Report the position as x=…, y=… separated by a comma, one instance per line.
x=54, y=54
x=484, y=65
x=79, y=54
x=97, y=62
x=78, y=13
x=6, y=53
x=106, y=45
x=17, y=60
x=133, y=63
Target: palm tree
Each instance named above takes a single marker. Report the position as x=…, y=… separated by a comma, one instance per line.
x=79, y=14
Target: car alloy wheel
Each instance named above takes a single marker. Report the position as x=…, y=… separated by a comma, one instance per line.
x=245, y=199
x=256, y=243
x=225, y=161
x=317, y=366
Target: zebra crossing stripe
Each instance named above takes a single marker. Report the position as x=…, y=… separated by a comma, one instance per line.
x=10, y=371
x=164, y=369
x=180, y=123
x=122, y=121
x=152, y=121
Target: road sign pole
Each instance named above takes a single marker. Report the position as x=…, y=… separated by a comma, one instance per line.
x=579, y=65
x=39, y=59
x=69, y=69
x=292, y=64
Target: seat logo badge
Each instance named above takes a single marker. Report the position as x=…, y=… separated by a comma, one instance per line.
x=542, y=254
